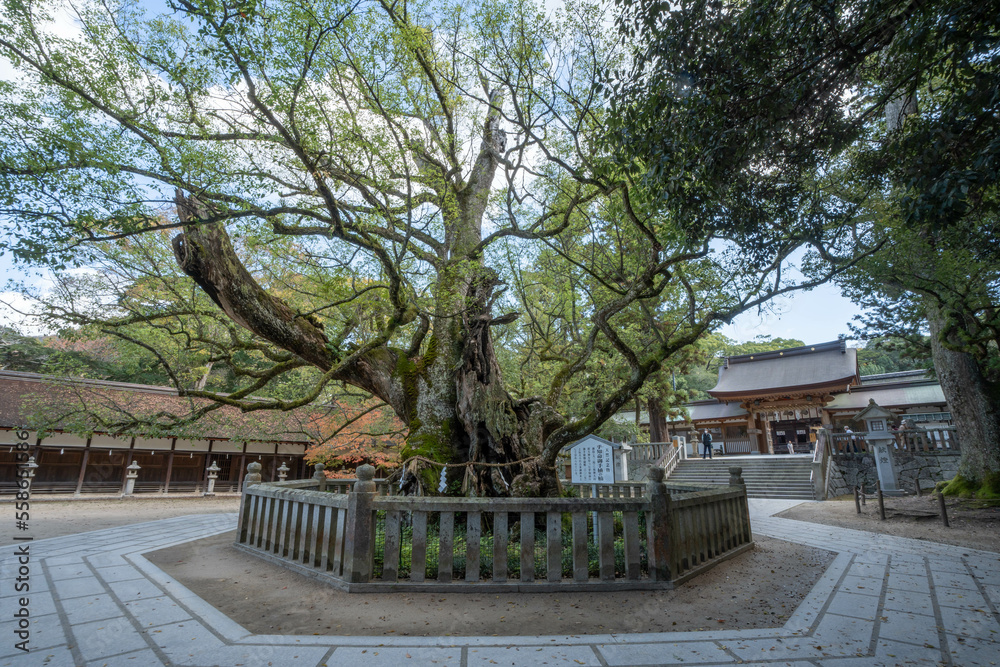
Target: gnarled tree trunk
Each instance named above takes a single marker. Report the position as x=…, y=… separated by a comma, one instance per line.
x=448, y=388
x=973, y=401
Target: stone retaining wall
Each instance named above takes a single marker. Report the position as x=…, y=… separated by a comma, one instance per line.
x=850, y=470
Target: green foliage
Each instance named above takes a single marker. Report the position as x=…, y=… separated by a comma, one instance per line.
x=877, y=122
x=347, y=175
x=890, y=355
x=621, y=431
x=486, y=555
x=783, y=88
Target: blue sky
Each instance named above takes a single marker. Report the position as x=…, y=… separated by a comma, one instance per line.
x=812, y=317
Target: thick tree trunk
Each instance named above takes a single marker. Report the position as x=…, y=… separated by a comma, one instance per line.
x=973, y=402
x=451, y=396
x=465, y=415
x=657, y=421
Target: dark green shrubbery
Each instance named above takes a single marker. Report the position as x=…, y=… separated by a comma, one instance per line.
x=513, y=549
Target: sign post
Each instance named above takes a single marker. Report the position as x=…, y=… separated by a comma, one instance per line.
x=590, y=462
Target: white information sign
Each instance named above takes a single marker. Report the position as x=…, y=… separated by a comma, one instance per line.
x=591, y=463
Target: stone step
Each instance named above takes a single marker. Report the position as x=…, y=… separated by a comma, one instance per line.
x=726, y=464
x=719, y=470
x=770, y=477
x=750, y=482
x=690, y=475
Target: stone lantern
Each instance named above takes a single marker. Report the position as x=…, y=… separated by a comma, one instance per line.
x=132, y=474
x=29, y=472
x=213, y=474
x=283, y=472
x=876, y=420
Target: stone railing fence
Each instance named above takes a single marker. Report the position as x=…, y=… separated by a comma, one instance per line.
x=364, y=542
x=842, y=461
x=919, y=440
x=647, y=452
x=671, y=457
x=646, y=455
x=627, y=489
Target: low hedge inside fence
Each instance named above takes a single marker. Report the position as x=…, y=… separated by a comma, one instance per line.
x=513, y=548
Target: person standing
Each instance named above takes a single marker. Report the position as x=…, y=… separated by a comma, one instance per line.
x=851, y=443
x=706, y=443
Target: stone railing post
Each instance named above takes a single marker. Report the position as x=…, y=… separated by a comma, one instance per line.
x=360, y=538
x=736, y=480
x=822, y=460
x=678, y=442
x=253, y=475
x=252, y=478
x=660, y=525
x=130, y=477
x=320, y=476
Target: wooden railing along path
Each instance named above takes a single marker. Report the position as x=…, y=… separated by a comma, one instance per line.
x=364, y=542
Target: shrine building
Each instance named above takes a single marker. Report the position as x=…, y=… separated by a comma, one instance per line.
x=773, y=402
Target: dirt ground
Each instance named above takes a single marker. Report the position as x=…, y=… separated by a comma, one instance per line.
x=757, y=589
x=973, y=523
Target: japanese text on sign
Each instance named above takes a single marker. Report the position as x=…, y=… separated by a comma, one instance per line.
x=591, y=463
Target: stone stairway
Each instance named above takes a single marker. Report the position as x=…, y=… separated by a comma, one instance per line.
x=765, y=476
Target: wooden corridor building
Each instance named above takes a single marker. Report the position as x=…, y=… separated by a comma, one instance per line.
x=76, y=455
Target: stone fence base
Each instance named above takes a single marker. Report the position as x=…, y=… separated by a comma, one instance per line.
x=850, y=470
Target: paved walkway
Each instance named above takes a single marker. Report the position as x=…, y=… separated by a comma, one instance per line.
x=94, y=600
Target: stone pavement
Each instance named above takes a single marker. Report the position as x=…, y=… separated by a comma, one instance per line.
x=94, y=600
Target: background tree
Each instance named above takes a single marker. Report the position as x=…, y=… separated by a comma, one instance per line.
x=938, y=291
x=352, y=432
x=892, y=354
x=883, y=114
x=345, y=178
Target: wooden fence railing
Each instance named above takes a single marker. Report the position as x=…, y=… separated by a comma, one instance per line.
x=362, y=541
x=738, y=446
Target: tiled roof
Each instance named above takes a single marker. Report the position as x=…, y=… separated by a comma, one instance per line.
x=890, y=396
x=821, y=367
x=82, y=406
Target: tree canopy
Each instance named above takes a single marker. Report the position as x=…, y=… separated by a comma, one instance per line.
x=362, y=193
x=880, y=117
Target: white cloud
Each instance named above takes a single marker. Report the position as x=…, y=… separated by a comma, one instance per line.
x=15, y=313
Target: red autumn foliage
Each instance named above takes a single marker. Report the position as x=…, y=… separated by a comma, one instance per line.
x=353, y=435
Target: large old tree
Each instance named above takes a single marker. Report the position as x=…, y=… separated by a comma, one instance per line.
x=351, y=185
